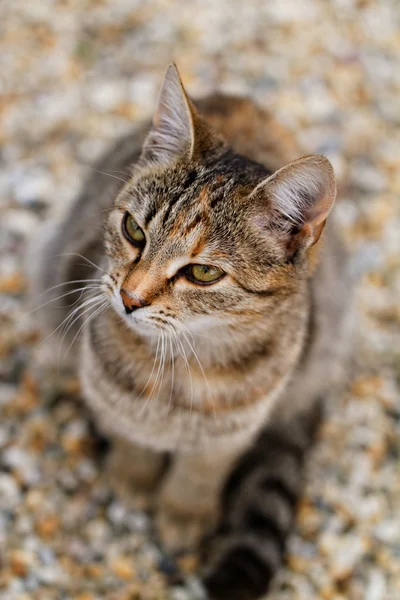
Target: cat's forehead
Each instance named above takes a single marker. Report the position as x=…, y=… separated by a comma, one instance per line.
x=194, y=191
x=195, y=210
x=183, y=221
x=199, y=214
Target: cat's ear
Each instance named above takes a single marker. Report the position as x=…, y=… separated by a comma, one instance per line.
x=172, y=134
x=296, y=200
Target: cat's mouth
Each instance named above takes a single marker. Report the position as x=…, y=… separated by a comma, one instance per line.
x=157, y=322
x=144, y=321
x=141, y=321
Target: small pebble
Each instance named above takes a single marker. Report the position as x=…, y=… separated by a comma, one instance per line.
x=123, y=568
x=9, y=492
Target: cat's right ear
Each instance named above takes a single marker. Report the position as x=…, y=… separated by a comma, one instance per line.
x=172, y=133
x=296, y=201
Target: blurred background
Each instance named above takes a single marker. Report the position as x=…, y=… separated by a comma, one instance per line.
x=76, y=74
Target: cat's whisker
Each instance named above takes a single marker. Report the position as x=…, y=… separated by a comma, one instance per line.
x=84, y=258
x=165, y=363
x=86, y=322
x=157, y=375
x=86, y=304
x=105, y=210
x=172, y=371
x=82, y=290
x=98, y=309
x=163, y=345
x=83, y=265
x=191, y=333
x=127, y=173
x=110, y=174
x=76, y=314
x=97, y=280
x=63, y=323
x=152, y=371
x=88, y=301
x=162, y=365
x=201, y=368
x=72, y=320
x=68, y=327
x=182, y=352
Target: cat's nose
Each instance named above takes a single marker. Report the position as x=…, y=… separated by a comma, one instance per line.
x=130, y=304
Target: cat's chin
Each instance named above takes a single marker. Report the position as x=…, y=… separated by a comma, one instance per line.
x=142, y=327
x=138, y=324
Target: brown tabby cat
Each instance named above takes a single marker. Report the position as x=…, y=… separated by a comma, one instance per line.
x=213, y=328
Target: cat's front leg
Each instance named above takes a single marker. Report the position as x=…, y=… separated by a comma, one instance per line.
x=134, y=473
x=189, y=498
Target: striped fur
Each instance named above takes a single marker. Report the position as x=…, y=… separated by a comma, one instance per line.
x=257, y=510
x=225, y=378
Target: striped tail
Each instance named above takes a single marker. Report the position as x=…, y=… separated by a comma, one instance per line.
x=258, y=508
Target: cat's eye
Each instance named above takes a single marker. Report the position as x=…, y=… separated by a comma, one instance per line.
x=204, y=274
x=132, y=231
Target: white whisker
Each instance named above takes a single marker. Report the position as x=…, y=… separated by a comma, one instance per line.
x=164, y=356
x=76, y=314
x=82, y=290
x=63, y=323
x=111, y=175
x=157, y=376
x=182, y=352
x=152, y=371
x=86, y=322
x=201, y=368
x=172, y=372
x=73, y=317
x=84, y=258
x=97, y=280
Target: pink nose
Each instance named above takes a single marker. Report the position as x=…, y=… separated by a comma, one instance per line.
x=130, y=304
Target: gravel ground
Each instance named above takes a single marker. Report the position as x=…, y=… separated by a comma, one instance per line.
x=74, y=75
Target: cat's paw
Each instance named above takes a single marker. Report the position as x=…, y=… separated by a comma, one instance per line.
x=180, y=532
x=130, y=493
x=134, y=474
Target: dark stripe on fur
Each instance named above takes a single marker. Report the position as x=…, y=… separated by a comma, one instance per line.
x=257, y=509
x=170, y=213
x=264, y=293
x=151, y=214
x=268, y=445
x=257, y=522
x=278, y=485
x=242, y=574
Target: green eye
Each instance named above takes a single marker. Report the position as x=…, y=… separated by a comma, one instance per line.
x=132, y=231
x=205, y=273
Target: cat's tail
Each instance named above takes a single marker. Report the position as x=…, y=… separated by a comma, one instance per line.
x=258, y=507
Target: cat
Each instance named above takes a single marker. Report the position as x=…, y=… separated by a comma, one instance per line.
x=211, y=310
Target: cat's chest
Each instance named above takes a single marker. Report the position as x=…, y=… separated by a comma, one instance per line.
x=175, y=375
x=169, y=402
x=148, y=378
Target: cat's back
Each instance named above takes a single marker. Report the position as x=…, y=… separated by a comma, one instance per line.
x=250, y=130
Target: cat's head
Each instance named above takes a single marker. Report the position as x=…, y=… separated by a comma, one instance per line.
x=203, y=237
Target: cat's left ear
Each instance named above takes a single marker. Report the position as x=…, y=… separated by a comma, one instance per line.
x=172, y=133
x=296, y=200
x=178, y=130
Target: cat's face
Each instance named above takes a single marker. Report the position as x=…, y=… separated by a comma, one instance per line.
x=202, y=238
x=180, y=243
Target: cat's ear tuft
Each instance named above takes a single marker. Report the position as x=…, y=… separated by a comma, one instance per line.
x=172, y=133
x=297, y=199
